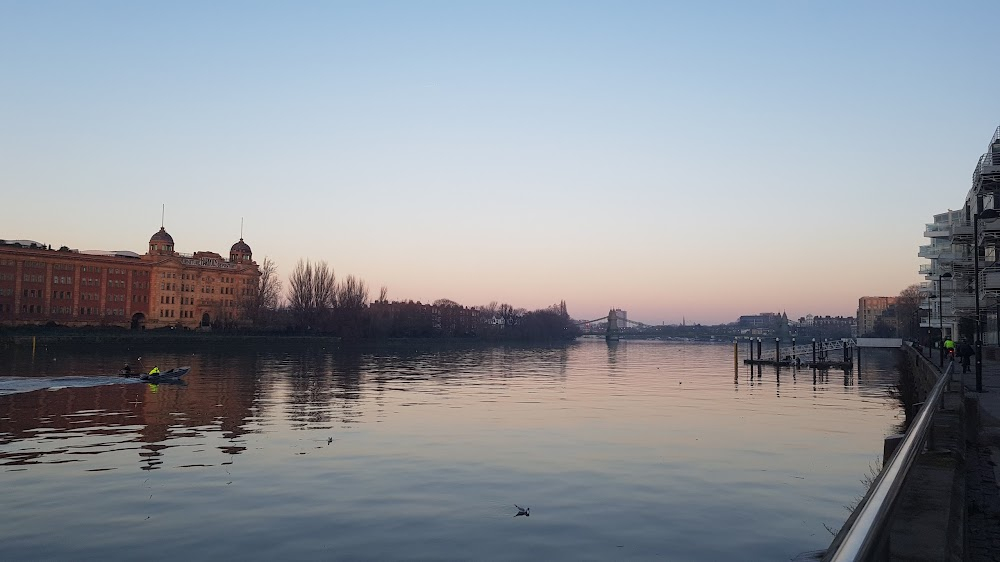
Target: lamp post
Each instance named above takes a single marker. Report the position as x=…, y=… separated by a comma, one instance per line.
x=932, y=298
x=930, y=336
x=986, y=214
x=946, y=275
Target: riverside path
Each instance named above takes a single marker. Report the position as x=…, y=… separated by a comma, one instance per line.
x=982, y=494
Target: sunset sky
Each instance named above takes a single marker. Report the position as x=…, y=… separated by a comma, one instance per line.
x=675, y=159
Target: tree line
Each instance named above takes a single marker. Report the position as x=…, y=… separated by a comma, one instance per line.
x=318, y=303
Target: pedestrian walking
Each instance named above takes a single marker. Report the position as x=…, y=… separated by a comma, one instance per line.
x=965, y=351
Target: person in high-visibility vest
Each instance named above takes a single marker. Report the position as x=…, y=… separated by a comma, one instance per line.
x=949, y=347
x=156, y=370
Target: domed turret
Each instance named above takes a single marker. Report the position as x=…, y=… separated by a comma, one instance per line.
x=240, y=252
x=161, y=243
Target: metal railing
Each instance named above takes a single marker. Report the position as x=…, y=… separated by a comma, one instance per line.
x=861, y=540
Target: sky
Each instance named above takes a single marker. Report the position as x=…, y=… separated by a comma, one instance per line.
x=679, y=160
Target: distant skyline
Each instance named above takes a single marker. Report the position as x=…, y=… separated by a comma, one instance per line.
x=677, y=160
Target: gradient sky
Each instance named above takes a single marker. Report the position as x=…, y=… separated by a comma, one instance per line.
x=675, y=159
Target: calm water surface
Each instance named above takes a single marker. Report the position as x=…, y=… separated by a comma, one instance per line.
x=634, y=450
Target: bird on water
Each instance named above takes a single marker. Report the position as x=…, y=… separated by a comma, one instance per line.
x=522, y=511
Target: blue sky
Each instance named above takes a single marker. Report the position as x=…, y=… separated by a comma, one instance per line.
x=702, y=160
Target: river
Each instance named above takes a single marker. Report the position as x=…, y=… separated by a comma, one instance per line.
x=420, y=452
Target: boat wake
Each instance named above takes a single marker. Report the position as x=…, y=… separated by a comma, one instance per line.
x=18, y=385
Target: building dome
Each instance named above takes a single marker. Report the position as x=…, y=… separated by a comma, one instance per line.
x=162, y=237
x=240, y=252
x=161, y=242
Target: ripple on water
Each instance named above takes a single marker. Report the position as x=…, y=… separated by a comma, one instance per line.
x=640, y=449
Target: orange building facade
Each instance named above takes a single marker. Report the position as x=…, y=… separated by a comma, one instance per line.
x=160, y=288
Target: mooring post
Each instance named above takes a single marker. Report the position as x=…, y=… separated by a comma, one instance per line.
x=814, y=351
x=777, y=350
x=794, y=355
x=844, y=344
x=758, y=350
x=736, y=354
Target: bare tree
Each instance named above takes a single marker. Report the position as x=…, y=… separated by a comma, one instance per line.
x=324, y=287
x=907, y=312
x=324, y=294
x=312, y=294
x=259, y=300
x=383, y=294
x=352, y=297
x=352, y=293
x=300, y=292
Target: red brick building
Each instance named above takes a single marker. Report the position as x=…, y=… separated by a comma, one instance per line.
x=162, y=287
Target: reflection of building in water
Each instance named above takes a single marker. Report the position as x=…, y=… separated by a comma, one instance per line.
x=23, y=416
x=121, y=288
x=219, y=392
x=150, y=414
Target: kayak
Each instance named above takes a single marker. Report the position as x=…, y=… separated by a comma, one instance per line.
x=171, y=375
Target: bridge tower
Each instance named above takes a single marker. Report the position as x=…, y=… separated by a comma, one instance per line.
x=613, y=333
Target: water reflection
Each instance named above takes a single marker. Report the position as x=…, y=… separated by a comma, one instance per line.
x=320, y=449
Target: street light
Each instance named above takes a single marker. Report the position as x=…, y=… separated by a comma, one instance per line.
x=986, y=214
x=946, y=275
x=931, y=299
x=930, y=336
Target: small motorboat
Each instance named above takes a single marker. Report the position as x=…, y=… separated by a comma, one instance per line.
x=166, y=376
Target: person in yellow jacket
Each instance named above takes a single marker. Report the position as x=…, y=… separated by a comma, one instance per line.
x=152, y=373
x=949, y=347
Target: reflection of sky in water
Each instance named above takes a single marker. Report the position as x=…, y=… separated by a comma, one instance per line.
x=635, y=449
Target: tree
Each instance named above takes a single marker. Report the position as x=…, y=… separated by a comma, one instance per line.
x=300, y=292
x=351, y=299
x=259, y=301
x=312, y=294
x=907, y=312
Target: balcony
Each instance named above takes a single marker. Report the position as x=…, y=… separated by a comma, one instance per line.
x=989, y=227
x=929, y=252
x=989, y=165
x=937, y=231
x=963, y=302
x=990, y=280
x=961, y=232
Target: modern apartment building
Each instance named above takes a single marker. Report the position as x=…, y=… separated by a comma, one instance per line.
x=39, y=285
x=938, y=302
x=870, y=311
x=963, y=270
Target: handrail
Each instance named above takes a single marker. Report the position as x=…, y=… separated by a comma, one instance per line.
x=863, y=536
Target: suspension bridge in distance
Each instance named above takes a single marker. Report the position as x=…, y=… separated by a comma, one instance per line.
x=613, y=328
